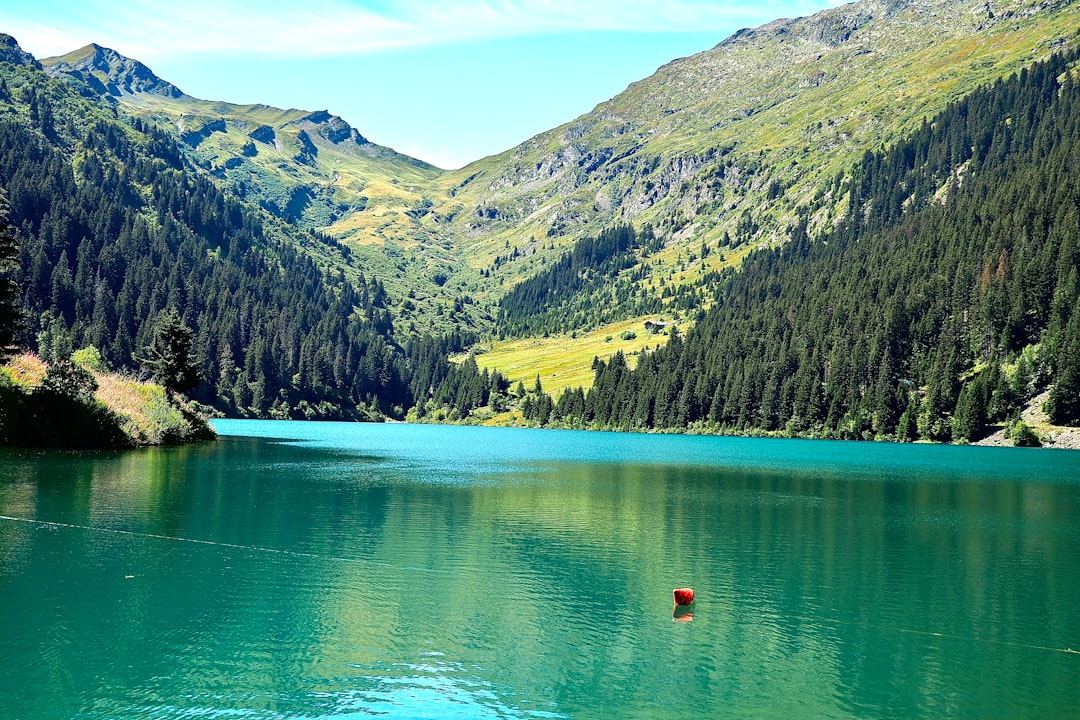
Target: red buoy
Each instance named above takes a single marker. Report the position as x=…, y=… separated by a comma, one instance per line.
x=683, y=596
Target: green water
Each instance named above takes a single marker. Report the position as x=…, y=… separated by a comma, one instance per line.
x=323, y=570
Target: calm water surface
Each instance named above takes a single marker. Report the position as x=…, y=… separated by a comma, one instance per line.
x=350, y=571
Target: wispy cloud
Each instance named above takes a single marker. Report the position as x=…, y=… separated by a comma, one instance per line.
x=336, y=27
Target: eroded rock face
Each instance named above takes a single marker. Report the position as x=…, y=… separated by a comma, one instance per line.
x=115, y=74
x=263, y=134
x=10, y=52
x=308, y=151
x=337, y=130
x=331, y=127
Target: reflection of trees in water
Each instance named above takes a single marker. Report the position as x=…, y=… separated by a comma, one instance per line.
x=333, y=575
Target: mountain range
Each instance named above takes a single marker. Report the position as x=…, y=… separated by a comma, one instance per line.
x=720, y=148
x=726, y=153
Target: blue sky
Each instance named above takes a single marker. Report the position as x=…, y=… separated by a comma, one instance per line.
x=448, y=81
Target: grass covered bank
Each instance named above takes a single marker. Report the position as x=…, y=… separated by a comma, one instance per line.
x=74, y=406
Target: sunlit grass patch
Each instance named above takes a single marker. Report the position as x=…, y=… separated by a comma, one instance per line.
x=565, y=361
x=26, y=370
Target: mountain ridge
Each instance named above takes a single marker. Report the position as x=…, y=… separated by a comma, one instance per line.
x=762, y=90
x=308, y=167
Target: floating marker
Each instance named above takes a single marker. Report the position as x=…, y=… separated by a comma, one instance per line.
x=683, y=596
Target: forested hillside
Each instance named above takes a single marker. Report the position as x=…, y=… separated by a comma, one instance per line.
x=583, y=288
x=114, y=230
x=921, y=292
x=947, y=297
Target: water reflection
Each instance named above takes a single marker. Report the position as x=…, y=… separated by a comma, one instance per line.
x=281, y=579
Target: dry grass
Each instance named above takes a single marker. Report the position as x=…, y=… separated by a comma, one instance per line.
x=146, y=415
x=26, y=370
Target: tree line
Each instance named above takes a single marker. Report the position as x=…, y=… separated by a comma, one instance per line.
x=946, y=299
x=114, y=232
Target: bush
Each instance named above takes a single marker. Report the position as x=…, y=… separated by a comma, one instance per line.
x=90, y=357
x=1024, y=436
x=67, y=379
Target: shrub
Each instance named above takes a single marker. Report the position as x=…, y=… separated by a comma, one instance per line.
x=90, y=357
x=1024, y=436
x=69, y=380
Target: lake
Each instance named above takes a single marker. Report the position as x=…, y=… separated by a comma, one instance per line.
x=307, y=570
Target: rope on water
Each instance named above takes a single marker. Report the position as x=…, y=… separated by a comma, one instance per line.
x=235, y=546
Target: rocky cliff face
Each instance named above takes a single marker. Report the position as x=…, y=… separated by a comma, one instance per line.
x=10, y=52
x=110, y=73
x=331, y=127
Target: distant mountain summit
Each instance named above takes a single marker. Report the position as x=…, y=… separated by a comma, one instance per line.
x=308, y=167
x=110, y=73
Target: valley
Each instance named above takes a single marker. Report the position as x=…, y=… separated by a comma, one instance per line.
x=716, y=160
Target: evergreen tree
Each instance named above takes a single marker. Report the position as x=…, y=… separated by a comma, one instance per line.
x=10, y=314
x=168, y=355
x=1063, y=406
x=969, y=419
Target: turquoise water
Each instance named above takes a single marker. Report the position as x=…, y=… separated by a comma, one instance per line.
x=308, y=570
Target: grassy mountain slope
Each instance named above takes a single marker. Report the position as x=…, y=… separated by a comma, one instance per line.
x=757, y=125
x=727, y=147
x=309, y=168
x=924, y=314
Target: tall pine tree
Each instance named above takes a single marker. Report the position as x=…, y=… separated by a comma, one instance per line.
x=9, y=289
x=168, y=355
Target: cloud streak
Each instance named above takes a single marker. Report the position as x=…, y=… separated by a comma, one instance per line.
x=292, y=28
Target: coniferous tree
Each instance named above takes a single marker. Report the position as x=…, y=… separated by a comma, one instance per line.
x=1063, y=406
x=168, y=355
x=970, y=416
x=10, y=314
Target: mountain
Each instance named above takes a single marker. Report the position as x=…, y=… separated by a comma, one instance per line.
x=728, y=196
x=947, y=297
x=11, y=53
x=115, y=226
x=728, y=146
x=310, y=168
x=718, y=152
x=110, y=73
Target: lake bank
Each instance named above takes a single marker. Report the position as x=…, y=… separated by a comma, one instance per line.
x=72, y=406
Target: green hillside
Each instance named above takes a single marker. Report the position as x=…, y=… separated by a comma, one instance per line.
x=309, y=168
x=718, y=152
x=725, y=147
x=115, y=228
x=946, y=299
x=326, y=276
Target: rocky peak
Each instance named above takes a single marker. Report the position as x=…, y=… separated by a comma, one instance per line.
x=10, y=52
x=110, y=73
x=331, y=127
